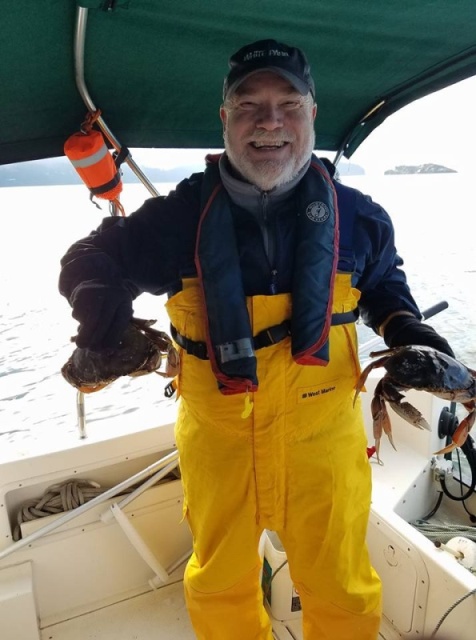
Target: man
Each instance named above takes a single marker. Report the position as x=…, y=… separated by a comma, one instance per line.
x=267, y=261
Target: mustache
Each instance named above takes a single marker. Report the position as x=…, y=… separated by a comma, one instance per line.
x=266, y=137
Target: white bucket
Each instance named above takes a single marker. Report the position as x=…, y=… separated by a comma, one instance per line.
x=278, y=589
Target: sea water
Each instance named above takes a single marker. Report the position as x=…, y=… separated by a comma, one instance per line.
x=435, y=228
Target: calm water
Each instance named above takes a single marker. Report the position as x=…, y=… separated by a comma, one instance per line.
x=435, y=226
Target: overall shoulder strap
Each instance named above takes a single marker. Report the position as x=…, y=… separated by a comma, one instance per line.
x=228, y=328
x=315, y=265
x=347, y=201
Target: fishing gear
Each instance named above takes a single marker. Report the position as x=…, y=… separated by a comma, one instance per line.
x=96, y=166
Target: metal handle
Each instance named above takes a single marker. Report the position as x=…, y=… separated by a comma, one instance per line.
x=79, y=40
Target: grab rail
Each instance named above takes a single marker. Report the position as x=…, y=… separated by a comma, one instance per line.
x=78, y=511
x=79, y=40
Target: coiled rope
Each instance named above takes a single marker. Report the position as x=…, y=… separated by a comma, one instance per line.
x=56, y=499
x=69, y=495
x=444, y=531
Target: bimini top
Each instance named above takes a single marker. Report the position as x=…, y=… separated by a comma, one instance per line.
x=156, y=68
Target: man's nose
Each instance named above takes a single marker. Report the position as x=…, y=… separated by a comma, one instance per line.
x=270, y=117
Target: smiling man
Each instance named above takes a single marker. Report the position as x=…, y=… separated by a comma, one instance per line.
x=268, y=129
x=267, y=262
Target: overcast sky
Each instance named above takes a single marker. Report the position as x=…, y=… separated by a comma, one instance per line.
x=440, y=128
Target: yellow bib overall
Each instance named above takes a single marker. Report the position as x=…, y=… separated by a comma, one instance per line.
x=296, y=464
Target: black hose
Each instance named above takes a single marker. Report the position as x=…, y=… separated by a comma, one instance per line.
x=447, y=425
x=435, y=508
x=469, y=450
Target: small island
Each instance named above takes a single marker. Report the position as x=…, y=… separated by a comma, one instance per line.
x=405, y=169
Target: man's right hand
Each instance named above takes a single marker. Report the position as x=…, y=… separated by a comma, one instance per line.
x=405, y=330
x=103, y=312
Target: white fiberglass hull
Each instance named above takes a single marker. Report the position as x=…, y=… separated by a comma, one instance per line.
x=115, y=575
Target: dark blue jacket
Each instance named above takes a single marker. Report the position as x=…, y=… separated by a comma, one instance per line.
x=153, y=249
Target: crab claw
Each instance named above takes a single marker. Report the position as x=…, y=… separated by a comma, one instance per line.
x=411, y=414
x=460, y=435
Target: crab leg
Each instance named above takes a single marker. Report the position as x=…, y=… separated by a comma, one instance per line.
x=461, y=433
x=364, y=375
x=381, y=423
x=381, y=420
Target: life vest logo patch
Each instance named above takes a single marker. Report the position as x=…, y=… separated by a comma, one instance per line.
x=318, y=212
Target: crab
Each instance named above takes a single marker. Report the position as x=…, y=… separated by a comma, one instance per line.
x=141, y=351
x=424, y=369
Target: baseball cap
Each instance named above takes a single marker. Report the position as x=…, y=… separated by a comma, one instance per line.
x=288, y=62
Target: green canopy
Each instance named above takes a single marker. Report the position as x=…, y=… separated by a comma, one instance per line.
x=155, y=67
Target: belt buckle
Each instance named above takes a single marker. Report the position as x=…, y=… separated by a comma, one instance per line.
x=270, y=336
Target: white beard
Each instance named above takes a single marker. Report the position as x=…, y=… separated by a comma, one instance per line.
x=268, y=174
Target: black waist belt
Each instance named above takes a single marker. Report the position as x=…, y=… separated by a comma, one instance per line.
x=266, y=338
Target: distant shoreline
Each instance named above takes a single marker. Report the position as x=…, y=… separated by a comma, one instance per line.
x=60, y=172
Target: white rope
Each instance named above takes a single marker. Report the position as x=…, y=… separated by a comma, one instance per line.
x=75, y=513
x=56, y=499
x=444, y=531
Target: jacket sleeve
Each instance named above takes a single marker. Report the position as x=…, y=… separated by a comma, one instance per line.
x=386, y=304
x=378, y=267
x=147, y=251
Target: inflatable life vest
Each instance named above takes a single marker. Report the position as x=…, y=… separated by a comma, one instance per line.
x=229, y=341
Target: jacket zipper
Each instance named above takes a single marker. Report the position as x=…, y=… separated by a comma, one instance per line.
x=269, y=243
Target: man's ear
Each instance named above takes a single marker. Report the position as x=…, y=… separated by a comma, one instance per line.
x=223, y=116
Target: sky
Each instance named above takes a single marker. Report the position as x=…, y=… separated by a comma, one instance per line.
x=440, y=129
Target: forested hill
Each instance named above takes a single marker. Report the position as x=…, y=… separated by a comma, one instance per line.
x=59, y=171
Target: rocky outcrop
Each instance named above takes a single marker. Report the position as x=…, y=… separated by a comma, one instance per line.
x=404, y=169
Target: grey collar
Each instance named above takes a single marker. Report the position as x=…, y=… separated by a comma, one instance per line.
x=249, y=196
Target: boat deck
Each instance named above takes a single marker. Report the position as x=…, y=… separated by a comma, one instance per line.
x=158, y=615
x=105, y=592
